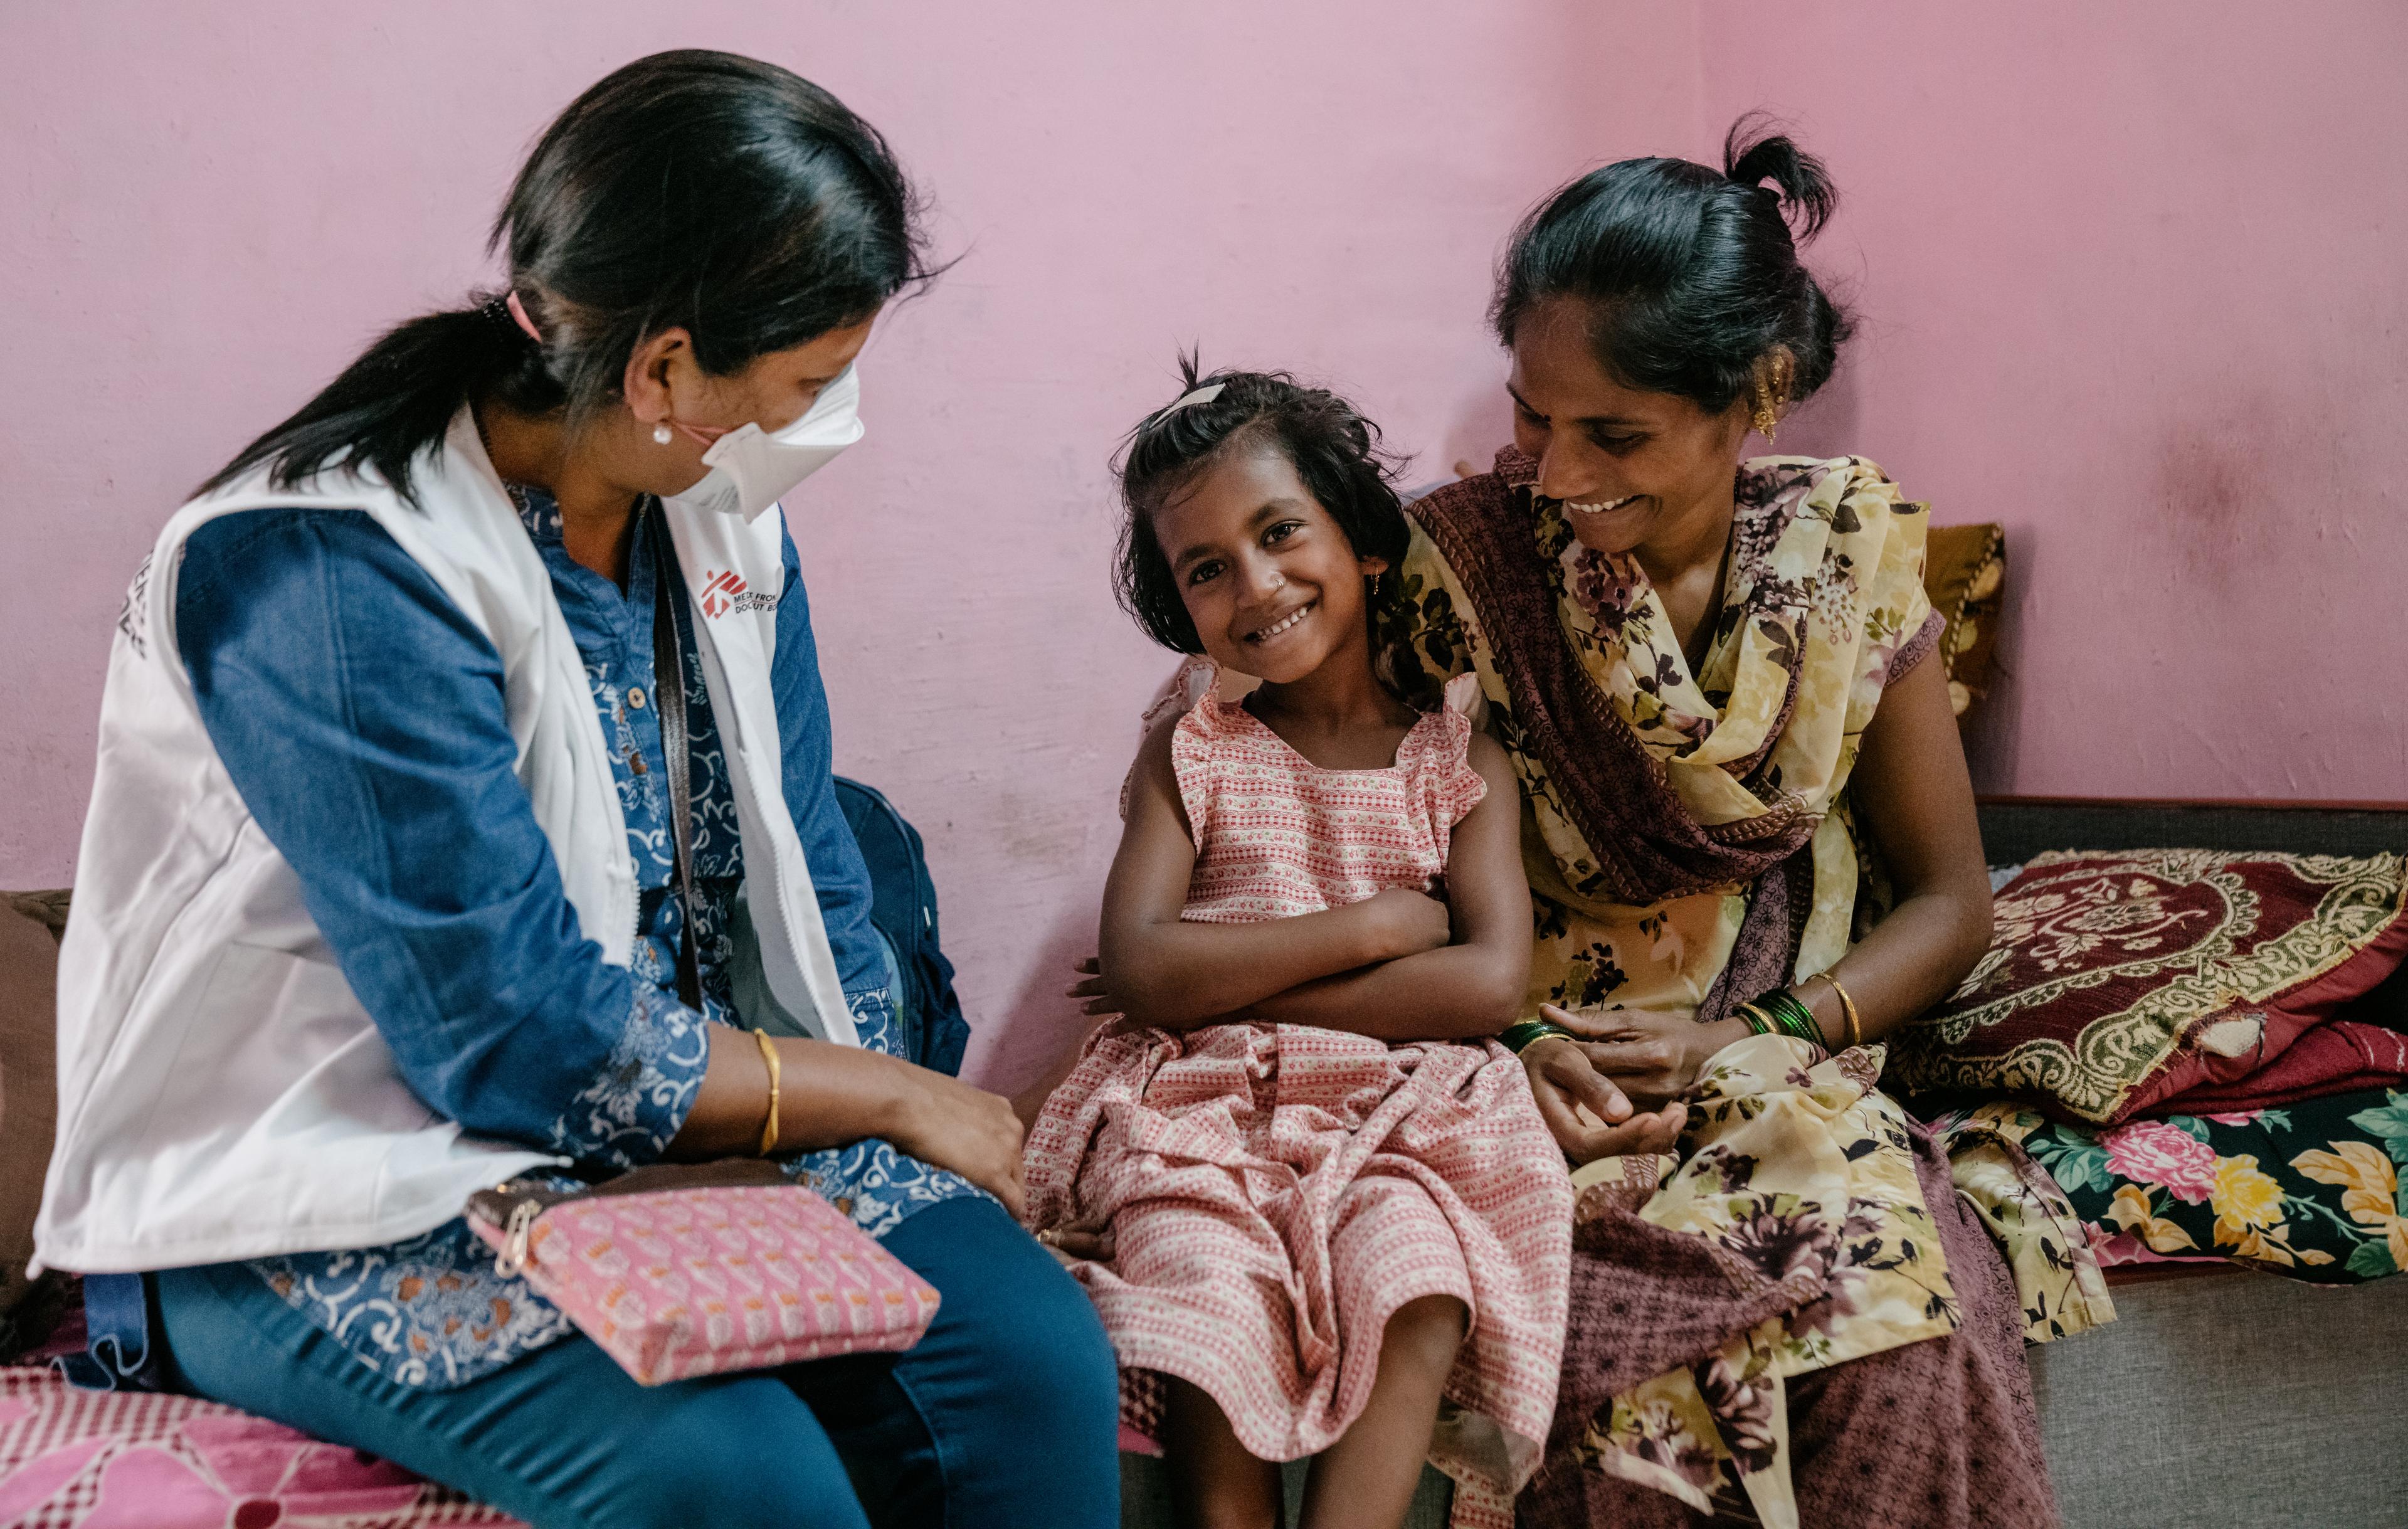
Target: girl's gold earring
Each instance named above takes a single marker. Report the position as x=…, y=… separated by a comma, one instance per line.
x=1766, y=422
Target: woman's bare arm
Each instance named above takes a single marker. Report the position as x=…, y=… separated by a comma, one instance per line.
x=829, y=1095
x=1161, y=971
x=1911, y=792
x=1474, y=987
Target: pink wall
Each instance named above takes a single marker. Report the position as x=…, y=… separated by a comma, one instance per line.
x=209, y=209
x=2131, y=281
x=2129, y=277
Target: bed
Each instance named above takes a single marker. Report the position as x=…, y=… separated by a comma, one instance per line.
x=2229, y=1391
x=2223, y=1395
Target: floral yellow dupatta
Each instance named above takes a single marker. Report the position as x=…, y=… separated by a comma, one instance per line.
x=1800, y=1179
x=1687, y=841
x=1647, y=785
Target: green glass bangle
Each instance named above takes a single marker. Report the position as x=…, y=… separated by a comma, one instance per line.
x=1793, y=1016
x=1523, y=1032
x=1796, y=1017
x=1783, y=1024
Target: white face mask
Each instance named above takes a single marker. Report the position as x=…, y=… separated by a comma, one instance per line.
x=750, y=470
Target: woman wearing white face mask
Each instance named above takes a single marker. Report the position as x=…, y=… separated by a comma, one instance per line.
x=442, y=733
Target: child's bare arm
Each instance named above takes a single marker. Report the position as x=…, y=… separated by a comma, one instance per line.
x=1476, y=985
x=1159, y=971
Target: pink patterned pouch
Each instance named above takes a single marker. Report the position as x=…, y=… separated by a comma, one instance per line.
x=679, y=1270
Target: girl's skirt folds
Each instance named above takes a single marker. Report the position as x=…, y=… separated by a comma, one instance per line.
x=1276, y=1192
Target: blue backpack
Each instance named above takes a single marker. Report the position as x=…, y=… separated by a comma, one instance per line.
x=903, y=906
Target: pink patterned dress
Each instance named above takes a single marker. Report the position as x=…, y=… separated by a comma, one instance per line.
x=1276, y=1192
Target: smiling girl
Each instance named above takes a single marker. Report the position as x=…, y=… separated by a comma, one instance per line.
x=1329, y=1199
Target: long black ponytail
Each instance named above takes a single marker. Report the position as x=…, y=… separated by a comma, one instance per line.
x=1690, y=274
x=694, y=189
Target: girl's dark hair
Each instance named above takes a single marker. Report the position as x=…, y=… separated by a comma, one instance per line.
x=694, y=189
x=1334, y=450
x=1690, y=276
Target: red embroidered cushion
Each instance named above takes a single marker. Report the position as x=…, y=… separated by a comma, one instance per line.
x=2118, y=981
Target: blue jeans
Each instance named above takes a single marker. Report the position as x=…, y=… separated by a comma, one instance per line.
x=1004, y=1414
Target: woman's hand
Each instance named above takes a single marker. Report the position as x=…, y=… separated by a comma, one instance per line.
x=1093, y=992
x=831, y=1095
x=1095, y=1000
x=1094, y=995
x=1567, y=1085
x=1075, y=1248
x=1650, y=1055
x=948, y=1124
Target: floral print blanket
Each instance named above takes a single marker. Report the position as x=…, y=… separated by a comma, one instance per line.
x=2313, y=1191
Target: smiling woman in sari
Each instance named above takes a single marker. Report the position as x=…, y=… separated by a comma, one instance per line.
x=1750, y=833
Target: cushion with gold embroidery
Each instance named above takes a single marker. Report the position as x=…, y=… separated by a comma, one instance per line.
x=1964, y=573
x=2119, y=983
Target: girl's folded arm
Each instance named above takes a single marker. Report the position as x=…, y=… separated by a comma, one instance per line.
x=1163, y=971
x=1476, y=985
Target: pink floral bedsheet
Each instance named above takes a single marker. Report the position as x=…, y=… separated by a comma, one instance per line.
x=75, y=1459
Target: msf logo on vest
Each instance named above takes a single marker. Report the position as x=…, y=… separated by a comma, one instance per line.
x=725, y=592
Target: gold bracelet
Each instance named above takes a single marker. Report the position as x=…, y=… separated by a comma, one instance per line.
x=770, y=1126
x=1847, y=1007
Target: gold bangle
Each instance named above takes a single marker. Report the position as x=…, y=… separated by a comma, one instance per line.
x=1848, y=1008
x=770, y=1126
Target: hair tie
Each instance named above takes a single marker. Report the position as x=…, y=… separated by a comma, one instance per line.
x=519, y=313
x=510, y=314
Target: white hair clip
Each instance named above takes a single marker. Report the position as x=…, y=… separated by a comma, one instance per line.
x=1202, y=394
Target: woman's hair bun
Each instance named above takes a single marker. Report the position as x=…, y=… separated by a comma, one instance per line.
x=1691, y=276
x=1755, y=150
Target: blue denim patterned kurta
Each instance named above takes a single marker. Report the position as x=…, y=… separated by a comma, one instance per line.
x=360, y=714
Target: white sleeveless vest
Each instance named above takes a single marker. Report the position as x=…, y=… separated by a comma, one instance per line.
x=221, y=1092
